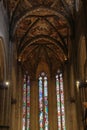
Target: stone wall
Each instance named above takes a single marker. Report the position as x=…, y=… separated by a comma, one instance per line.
x=4, y=92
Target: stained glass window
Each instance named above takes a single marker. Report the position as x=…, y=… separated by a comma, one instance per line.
x=60, y=102
x=43, y=102
x=26, y=104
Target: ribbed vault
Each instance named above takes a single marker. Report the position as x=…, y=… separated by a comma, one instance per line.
x=41, y=30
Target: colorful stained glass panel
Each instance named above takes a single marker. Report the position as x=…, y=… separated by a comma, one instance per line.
x=60, y=102
x=26, y=104
x=43, y=102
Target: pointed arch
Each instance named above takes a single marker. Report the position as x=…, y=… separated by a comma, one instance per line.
x=42, y=67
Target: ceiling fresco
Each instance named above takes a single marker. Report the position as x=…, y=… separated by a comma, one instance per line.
x=41, y=30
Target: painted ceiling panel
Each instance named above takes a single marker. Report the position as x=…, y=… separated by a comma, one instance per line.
x=41, y=30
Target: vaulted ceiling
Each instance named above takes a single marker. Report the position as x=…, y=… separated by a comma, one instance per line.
x=41, y=30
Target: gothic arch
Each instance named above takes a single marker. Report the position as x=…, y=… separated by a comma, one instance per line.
x=42, y=67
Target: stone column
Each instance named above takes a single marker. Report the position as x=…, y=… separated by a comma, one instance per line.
x=13, y=99
x=73, y=100
x=67, y=96
x=19, y=98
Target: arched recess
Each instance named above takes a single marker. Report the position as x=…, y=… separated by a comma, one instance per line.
x=3, y=78
x=41, y=68
x=81, y=58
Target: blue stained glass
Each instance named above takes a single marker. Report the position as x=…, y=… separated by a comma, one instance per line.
x=26, y=103
x=60, y=102
x=43, y=102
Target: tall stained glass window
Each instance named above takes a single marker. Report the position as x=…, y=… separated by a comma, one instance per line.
x=60, y=102
x=43, y=102
x=26, y=103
